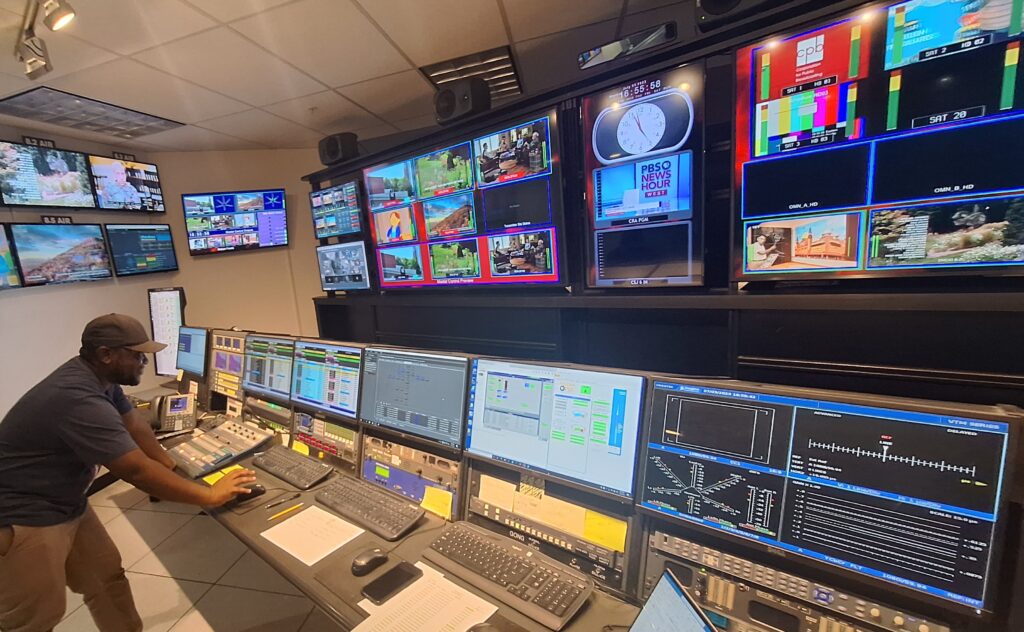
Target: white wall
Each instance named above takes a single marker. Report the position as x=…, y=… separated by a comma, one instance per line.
x=268, y=290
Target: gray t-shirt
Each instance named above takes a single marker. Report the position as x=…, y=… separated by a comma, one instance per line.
x=51, y=442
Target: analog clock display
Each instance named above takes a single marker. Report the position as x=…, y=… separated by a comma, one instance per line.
x=641, y=128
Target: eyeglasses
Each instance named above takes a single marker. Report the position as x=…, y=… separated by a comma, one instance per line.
x=140, y=356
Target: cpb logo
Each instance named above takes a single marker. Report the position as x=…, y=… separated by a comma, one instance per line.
x=810, y=51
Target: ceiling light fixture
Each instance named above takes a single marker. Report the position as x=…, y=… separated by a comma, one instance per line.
x=30, y=49
x=57, y=14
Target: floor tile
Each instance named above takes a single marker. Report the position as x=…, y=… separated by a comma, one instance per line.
x=161, y=601
x=252, y=572
x=227, y=609
x=119, y=494
x=136, y=533
x=106, y=514
x=202, y=550
x=74, y=602
x=320, y=622
x=166, y=506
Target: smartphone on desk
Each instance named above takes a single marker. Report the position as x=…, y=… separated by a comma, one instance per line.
x=384, y=587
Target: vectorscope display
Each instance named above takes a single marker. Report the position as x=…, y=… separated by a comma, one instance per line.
x=907, y=497
x=884, y=143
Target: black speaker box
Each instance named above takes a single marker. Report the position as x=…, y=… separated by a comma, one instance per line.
x=713, y=14
x=461, y=98
x=338, y=148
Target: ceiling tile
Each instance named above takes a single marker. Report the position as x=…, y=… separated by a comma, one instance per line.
x=466, y=27
x=324, y=111
x=128, y=27
x=67, y=54
x=330, y=39
x=191, y=138
x=420, y=122
x=128, y=83
x=227, y=10
x=10, y=85
x=260, y=127
x=533, y=18
x=224, y=61
x=395, y=97
x=550, y=62
x=376, y=131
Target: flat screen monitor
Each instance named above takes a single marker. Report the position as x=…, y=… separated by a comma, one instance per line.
x=576, y=424
x=268, y=366
x=343, y=267
x=420, y=394
x=484, y=212
x=41, y=176
x=643, y=160
x=326, y=377
x=141, y=248
x=126, y=185
x=670, y=608
x=9, y=277
x=883, y=143
x=192, y=349
x=899, y=491
x=61, y=253
x=244, y=220
x=389, y=185
x=336, y=210
x=166, y=316
x=227, y=362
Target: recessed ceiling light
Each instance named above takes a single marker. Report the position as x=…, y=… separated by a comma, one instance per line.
x=56, y=107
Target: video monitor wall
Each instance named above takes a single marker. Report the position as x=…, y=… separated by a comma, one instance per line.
x=336, y=210
x=60, y=253
x=141, y=248
x=343, y=267
x=884, y=143
x=643, y=159
x=126, y=185
x=9, y=277
x=41, y=176
x=480, y=212
x=244, y=220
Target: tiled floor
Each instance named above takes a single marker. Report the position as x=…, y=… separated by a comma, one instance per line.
x=188, y=574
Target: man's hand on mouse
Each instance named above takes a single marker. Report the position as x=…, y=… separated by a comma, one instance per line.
x=231, y=485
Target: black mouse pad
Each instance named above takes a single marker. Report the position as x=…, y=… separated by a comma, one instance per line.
x=338, y=578
x=240, y=507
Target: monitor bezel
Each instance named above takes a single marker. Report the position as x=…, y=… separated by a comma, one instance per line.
x=243, y=383
x=113, y=257
x=96, y=197
x=297, y=403
x=21, y=271
x=359, y=207
x=92, y=185
x=366, y=260
x=287, y=232
x=15, y=262
x=206, y=354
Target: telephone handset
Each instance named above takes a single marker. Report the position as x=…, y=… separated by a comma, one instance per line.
x=174, y=412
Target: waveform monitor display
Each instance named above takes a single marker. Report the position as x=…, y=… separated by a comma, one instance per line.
x=421, y=394
x=326, y=377
x=243, y=220
x=192, y=350
x=268, y=366
x=336, y=210
x=895, y=494
x=141, y=248
x=883, y=144
x=575, y=424
x=643, y=159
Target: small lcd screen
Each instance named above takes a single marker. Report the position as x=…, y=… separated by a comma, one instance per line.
x=516, y=205
x=8, y=271
x=141, y=248
x=444, y=172
x=421, y=394
x=192, y=351
x=512, y=154
x=576, y=424
x=42, y=176
x=644, y=255
x=343, y=267
x=336, y=210
x=246, y=220
x=127, y=185
x=389, y=185
x=326, y=377
x=61, y=253
x=268, y=366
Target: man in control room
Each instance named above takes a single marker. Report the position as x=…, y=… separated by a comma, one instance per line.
x=51, y=444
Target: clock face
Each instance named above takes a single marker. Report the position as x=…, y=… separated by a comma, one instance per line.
x=641, y=128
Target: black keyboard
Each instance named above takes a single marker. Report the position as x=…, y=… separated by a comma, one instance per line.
x=543, y=589
x=291, y=467
x=382, y=513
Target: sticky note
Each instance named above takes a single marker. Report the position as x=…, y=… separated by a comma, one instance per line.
x=193, y=387
x=210, y=479
x=497, y=492
x=438, y=501
x=605, y=531
x=300, y=447
x=181, y=374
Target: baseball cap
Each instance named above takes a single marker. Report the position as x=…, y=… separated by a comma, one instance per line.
x=119, y=330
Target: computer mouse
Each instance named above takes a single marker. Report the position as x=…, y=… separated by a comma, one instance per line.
x=255, y=491
x=365, y=562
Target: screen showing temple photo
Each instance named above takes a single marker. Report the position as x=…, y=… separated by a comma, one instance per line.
x=343, y=267
x=128, y=185
x=982, y=232
x=807, y=243
x=450, y=216
x=401, y=264
x=8, y=271
x=40, y=176
x=445, y=171
x=455, y=259
x=515, y=153
x=61, y=253
x=394, y=225
x=389, y=185
x=244, y=220
x=643, y=152
x=521, y=253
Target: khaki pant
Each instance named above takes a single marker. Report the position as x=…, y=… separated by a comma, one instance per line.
x=37, y=562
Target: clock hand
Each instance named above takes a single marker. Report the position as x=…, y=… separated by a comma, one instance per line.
x=636, y=119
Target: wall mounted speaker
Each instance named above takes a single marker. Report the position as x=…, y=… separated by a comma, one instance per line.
x=338, y=148
x=458, y=99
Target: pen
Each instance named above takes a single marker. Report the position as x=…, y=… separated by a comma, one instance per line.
x=286, y=511
x=282, y=501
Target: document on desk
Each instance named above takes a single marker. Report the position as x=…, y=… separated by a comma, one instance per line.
x=312, y=535
x=430, y=604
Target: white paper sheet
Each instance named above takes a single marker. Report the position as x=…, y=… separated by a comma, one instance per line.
x=312, y=534
x=430, y=604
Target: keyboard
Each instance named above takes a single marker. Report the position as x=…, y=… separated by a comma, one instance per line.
x=541, y=588
x=387, y=515
x=291, y=467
